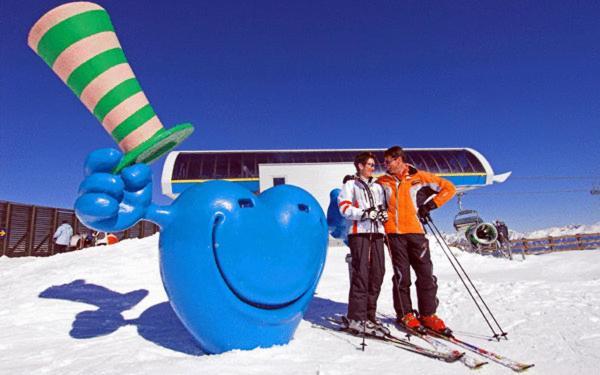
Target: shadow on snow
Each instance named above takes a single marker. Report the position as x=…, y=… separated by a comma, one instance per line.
x=158, y=323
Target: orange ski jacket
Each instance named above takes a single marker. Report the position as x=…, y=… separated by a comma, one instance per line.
x=404, y=195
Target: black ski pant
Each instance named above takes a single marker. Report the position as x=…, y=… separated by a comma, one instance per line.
x=368, y=268
x=412, y=250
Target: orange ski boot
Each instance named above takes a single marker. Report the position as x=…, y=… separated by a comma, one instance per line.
x=411, y=322
x=435, y=324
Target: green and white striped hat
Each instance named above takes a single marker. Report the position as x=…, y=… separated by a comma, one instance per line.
x=78, y=41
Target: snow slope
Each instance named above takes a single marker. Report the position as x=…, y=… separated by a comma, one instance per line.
x=564, y=231
x=104, y=311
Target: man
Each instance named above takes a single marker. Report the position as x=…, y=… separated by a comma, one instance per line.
x=411, y=195
x=62, y=237
x=362, y=201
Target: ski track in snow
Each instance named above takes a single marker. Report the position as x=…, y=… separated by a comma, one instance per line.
x=119, y=321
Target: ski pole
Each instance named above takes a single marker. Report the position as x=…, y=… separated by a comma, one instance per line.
x=438, y=237
x=439, y=234
x=364, y=333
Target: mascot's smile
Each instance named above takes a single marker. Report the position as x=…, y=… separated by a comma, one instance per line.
x=242, y=286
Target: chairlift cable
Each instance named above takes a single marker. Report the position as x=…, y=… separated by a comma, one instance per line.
x=529, y=192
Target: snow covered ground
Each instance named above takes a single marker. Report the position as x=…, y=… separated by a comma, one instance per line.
x=104, y=311
x=564, y=231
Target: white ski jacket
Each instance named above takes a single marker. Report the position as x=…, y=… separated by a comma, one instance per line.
x=63, y=235
x=354, y=200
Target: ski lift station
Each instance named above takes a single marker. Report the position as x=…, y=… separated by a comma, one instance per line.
x=317, y=171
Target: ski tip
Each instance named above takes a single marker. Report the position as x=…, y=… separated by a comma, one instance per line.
x=478, y=365
x=455, y=357
x=524, y=367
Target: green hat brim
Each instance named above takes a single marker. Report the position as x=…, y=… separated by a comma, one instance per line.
x=155, y=147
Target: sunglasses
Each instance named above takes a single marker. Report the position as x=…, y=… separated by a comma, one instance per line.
x=390, y=161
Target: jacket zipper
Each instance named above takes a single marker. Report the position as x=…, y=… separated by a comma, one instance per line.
x=397, y=204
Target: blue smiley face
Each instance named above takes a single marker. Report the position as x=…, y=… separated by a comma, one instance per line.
x=240, y=269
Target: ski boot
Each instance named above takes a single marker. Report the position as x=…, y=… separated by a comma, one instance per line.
x=380, y=327
x=360, y=327
x=435, y=324
x=410, y=322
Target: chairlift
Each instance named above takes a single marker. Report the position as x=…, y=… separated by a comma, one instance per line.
x=477, y=232
x=465, y=219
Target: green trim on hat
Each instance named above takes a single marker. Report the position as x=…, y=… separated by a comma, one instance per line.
x=159, y=144
x=115, y=96
x=72, y=30
x=86, y=72
x=133, y=122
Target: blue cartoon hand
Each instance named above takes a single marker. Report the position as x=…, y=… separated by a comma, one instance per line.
x=108, y=202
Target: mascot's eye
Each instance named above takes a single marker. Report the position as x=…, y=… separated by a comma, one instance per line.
x=245, y=203
x=303, y=207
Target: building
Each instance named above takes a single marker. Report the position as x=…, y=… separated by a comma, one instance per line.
x=317, y=171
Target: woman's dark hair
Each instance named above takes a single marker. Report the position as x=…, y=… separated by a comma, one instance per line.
x=363, y=157
x=394, y=152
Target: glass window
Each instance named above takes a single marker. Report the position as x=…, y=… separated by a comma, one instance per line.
x=339, y=157
x=221, y=164
x=455, y=165
x=418, y=160
x=187, y=166
x=409, y=158
x=208, y=166
x=195, y=167
x=235, y=165
x=245, y=164
x=442, y=160
x=278, y=181
x=477, y=166
x=251, y=163
x=181, y=167
x=261, y=158
x=311, y=157
x=461, y=158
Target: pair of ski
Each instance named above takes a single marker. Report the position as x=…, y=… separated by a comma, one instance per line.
x=435, y=339
x=502, y=360
x=449, y=355
x=442, y=351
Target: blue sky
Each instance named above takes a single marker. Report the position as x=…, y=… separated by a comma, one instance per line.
x=518, y=81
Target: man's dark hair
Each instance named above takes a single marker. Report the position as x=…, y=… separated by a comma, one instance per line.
x=363, y=157
x=394, y=152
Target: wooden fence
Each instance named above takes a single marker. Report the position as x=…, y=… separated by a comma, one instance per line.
x=583, y=241
x=27, y=230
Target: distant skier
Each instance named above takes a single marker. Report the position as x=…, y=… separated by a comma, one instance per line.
x=362, y=201
x=62, y=237
x=411, y=195
x=502, y=229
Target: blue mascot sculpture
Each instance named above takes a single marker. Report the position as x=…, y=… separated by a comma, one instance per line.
x=239, y=269
x=336, y=223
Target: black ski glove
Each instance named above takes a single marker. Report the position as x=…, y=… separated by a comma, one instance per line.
x=424, y=210
x=382, y=215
